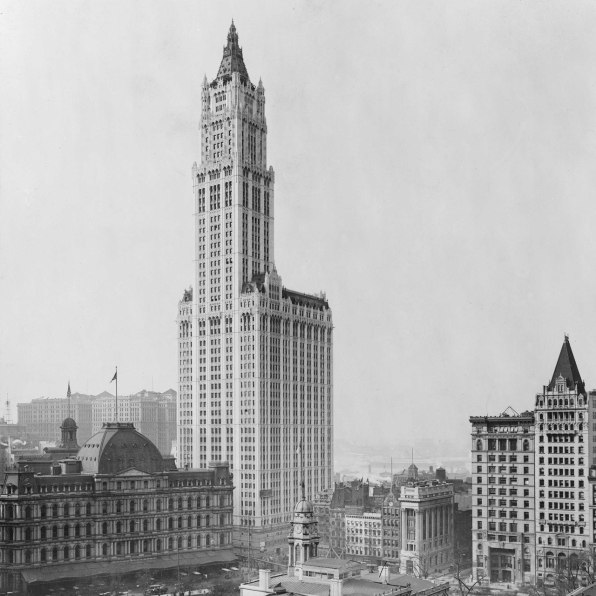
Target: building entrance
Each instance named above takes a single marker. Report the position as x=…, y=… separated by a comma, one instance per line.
x=502, y=561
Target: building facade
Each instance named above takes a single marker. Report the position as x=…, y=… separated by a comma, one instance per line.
x=255, y=358
x=564, y=438
x=391, y=525
x=119, y=501
x=153, y=414
x=364, y=536
x=533, y=511
x=503, y=508
x=427, y=534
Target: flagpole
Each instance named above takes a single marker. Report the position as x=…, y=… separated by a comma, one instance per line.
x=116, y=375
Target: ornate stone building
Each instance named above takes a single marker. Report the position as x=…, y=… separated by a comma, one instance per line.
x=564, y=439
x=426, y=527
x=255, y=358
x=116, y=507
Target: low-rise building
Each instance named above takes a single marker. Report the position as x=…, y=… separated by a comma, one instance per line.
x=117, y=502
x=364, y=536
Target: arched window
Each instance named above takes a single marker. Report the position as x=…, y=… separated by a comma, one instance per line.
x=77, y=530
x=189, y=521
x=180, y=523
x=207, y=501
x=189, y=542
x=145, y=505
x=28, y=512
x=104, y=528
x=104, y=549
x=88, y=530
x=131, y=508
x=208, y=540
x=54, y=510
x=158, y=545
x=179, y=503
x=66, y=509
x=88, y=551
x=118, y=548
x=145, y=525
x=66, y=553
x=43, y=533
x=132, y=526
x=170, y=543
x=104, y=508
x=66, y=531
x=158, y=524
x=88, y=509
x=145, y=546
x=27, y=534
x=118, y=527
x=118, y=506
x=43, y=555
x=158, y=505
x=54, y=554
x=170, y=523
x=54, y=531
x=170, y=504
x=43, y=511
x=189, y=503
x=27, y=556
x=77, y=552
x=77, y=510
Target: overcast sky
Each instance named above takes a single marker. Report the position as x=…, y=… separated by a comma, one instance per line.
x=435, y=175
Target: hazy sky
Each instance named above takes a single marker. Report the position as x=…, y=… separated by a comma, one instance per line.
x=435, y=175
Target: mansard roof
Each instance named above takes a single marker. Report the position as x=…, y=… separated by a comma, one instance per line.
x=566, y=367
x=232, y=60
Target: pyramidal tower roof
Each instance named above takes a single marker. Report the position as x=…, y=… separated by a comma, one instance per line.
x=566, y=367
x=232, y=60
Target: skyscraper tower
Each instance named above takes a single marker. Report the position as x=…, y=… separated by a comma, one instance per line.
x=564, y=452
x=255, y=359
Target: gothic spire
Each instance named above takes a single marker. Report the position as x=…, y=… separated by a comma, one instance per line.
x=566, y=367
x=232, y=60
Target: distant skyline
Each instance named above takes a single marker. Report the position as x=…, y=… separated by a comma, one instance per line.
x=434, y=176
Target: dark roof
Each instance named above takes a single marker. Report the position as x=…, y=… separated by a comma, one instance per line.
x=305, y=299
x=117, y=447
x=232, y=60
x=566, y=367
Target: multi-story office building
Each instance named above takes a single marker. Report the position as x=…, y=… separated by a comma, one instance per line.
x=42, y=416
x=255, y=358
x=564, y=446
x=391, y=524
x=532, y=520
x=427, y=532
x=364, y=536
x=152, y=412
x=117, y=507
x=503, y=507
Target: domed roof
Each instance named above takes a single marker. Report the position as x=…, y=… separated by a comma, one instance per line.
x=118, y=447
x=304, y=506
x=69, y=423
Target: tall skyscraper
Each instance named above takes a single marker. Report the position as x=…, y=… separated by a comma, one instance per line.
x=532, y=510
x=255, y=359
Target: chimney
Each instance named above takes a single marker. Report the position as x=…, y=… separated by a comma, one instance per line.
x=264, y=578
